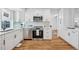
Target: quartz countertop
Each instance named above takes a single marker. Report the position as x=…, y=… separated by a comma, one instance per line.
x=74, y=29
x=8, y=31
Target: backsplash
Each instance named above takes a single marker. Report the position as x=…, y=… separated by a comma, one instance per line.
x=31, y=24
x=16, y=24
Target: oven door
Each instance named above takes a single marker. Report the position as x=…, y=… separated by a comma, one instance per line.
x=34, y=34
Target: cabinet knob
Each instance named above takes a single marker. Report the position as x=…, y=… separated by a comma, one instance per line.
x=4, y=42
x=73, y=32
x=68, y=34
x=14, y=36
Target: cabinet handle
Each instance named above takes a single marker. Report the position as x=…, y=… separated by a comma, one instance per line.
x=68, y=34
x=15, y=36
x=73, y=32
x=4, y=42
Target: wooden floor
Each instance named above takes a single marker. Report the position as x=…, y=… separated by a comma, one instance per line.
x=54, y=44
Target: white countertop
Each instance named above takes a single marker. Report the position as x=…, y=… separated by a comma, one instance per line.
x=77, y=29
x=4, y=32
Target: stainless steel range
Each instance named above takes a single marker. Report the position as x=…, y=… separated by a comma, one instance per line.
x=37, y=32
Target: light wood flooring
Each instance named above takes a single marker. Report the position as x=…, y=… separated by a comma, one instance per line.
x=55, y=44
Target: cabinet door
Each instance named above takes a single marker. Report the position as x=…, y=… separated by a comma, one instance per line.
x=21, y=34
x=74, y=39
x=1, y=42
x=9, y=41
x=68, y=15
x=25, y=33
x=18, y=36
x=47, y=33
x=60, y=25
x=29, y=33
x=70, y=36
x=66, y=35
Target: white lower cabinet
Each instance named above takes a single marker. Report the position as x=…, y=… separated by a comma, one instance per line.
x=11, y=39
x=67, y=36
x=47, y=33
x=74, y=39
x=71, y=36
x=1, y=42
x=18, y=35
x=25, y=33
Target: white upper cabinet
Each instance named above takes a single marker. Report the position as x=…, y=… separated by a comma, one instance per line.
x=76, y=16
x=0, y=14
x=45, y=13
x=0, y=18
x=5, y=14
x=18, y=14
x=68, y=16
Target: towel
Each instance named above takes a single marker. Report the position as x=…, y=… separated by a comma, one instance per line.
x=37, y=32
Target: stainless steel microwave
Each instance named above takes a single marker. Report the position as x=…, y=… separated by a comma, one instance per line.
x=37, y=18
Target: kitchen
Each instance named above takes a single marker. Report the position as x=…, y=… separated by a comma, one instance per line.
x=24, y=26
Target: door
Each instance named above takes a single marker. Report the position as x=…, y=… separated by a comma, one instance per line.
x=38, y=36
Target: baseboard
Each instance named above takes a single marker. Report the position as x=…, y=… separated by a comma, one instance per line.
x=27, y=39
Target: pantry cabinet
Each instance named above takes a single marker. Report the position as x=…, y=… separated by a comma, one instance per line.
x=60, y=24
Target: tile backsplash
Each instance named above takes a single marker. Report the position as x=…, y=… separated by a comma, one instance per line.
x=31, y=24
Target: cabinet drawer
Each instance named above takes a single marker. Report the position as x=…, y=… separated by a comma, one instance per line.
x=9, y=43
